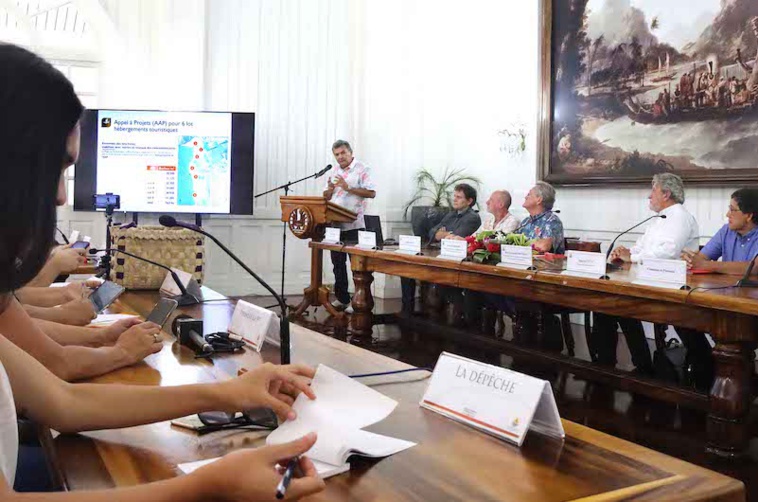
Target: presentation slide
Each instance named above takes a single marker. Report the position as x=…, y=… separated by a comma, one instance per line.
x=165, y=161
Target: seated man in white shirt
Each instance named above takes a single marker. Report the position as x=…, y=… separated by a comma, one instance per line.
x=663, y=238
x=499, y=218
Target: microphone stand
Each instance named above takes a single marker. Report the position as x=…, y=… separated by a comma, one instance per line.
x=746, y=282
x=286, y=188
x=105, y=261
x=613, y=266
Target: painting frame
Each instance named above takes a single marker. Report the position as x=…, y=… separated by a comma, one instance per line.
x=545, y=128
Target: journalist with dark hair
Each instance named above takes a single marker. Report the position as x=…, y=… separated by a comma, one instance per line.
x=39, y=132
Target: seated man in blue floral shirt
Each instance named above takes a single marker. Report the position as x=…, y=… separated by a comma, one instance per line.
x=542, y=224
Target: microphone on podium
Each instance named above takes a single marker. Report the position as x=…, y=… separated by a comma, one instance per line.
x=613, y=266
x=284, y=326
x=185, y=299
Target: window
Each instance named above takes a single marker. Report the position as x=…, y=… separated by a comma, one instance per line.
x=56, y=30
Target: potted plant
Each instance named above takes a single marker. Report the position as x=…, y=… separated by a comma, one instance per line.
x=438, y=196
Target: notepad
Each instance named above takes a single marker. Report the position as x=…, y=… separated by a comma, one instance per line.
x=341, y=409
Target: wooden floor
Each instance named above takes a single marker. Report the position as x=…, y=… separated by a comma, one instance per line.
x=656, y=425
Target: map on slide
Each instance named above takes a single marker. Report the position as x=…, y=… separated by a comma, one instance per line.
x=203, y=171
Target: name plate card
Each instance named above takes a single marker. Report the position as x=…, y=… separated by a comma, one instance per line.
x=519, y=257
x=332, y=235
x=453, y=249
x=585, y=264
x=366, y=240
x=495, y=400
x=670, y=274
x=254, y=324
x=170, y=287
x=410, y=245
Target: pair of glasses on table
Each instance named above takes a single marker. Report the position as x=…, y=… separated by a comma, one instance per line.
x=259, y=418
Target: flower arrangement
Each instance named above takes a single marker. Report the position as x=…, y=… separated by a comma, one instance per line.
x=484, y=247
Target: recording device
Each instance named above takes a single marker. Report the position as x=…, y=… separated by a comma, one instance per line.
x=185, y=299
x=613, y=266
x=107, y=201
x=284, y=325
x=190, y=333
x=105, y=294
x=162, y=311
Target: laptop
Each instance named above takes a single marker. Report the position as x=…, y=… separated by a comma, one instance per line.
x=373, y=224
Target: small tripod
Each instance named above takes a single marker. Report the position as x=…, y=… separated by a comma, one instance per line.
x=105, y=261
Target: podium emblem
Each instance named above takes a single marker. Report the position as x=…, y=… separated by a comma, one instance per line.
x=301, y=222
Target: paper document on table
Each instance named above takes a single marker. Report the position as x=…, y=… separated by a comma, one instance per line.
x=324, y=470
x=341, y=409
x=108, y=319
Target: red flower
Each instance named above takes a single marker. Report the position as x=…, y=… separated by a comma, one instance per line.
x=471, y=239
x=493, y=247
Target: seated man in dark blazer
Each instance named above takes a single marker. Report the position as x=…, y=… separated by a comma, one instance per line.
x=461, y=221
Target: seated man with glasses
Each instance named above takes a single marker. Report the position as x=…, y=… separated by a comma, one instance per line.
x=735, y=243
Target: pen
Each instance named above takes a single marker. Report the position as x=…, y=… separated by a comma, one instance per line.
x=285, y=482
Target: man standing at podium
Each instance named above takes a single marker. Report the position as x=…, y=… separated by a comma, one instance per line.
x=348, y=187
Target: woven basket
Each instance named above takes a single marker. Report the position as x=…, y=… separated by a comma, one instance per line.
x=173, y=247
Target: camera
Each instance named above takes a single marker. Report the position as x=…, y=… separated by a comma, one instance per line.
x=106, y=201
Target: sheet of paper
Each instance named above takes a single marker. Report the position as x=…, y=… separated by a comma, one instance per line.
x=108, y=319
x=324, y=470
x=341, y=399
x=343, y=406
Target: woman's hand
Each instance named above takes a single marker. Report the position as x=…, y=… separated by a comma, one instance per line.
x=66, y=259
x=270, y=386
x=250, y=474
x=77, y=290
x=78, y=312
x=110, y=334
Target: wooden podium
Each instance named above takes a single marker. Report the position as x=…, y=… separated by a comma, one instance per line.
x=306, y=218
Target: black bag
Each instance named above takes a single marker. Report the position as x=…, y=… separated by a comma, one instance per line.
x=670, y=362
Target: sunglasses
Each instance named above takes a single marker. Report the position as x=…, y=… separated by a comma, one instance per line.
x=258, y=418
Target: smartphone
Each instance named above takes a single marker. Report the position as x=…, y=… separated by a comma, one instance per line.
x=80, y=245
x=162, y=311
x=106, y=201
x=105, y=294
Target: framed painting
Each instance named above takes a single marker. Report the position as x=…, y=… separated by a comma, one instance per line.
x=630, y=88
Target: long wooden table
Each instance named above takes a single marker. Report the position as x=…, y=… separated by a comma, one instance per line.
x=729, y=315
x=450, y=462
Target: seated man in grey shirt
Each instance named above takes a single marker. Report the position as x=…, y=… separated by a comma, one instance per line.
x=461, y=221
